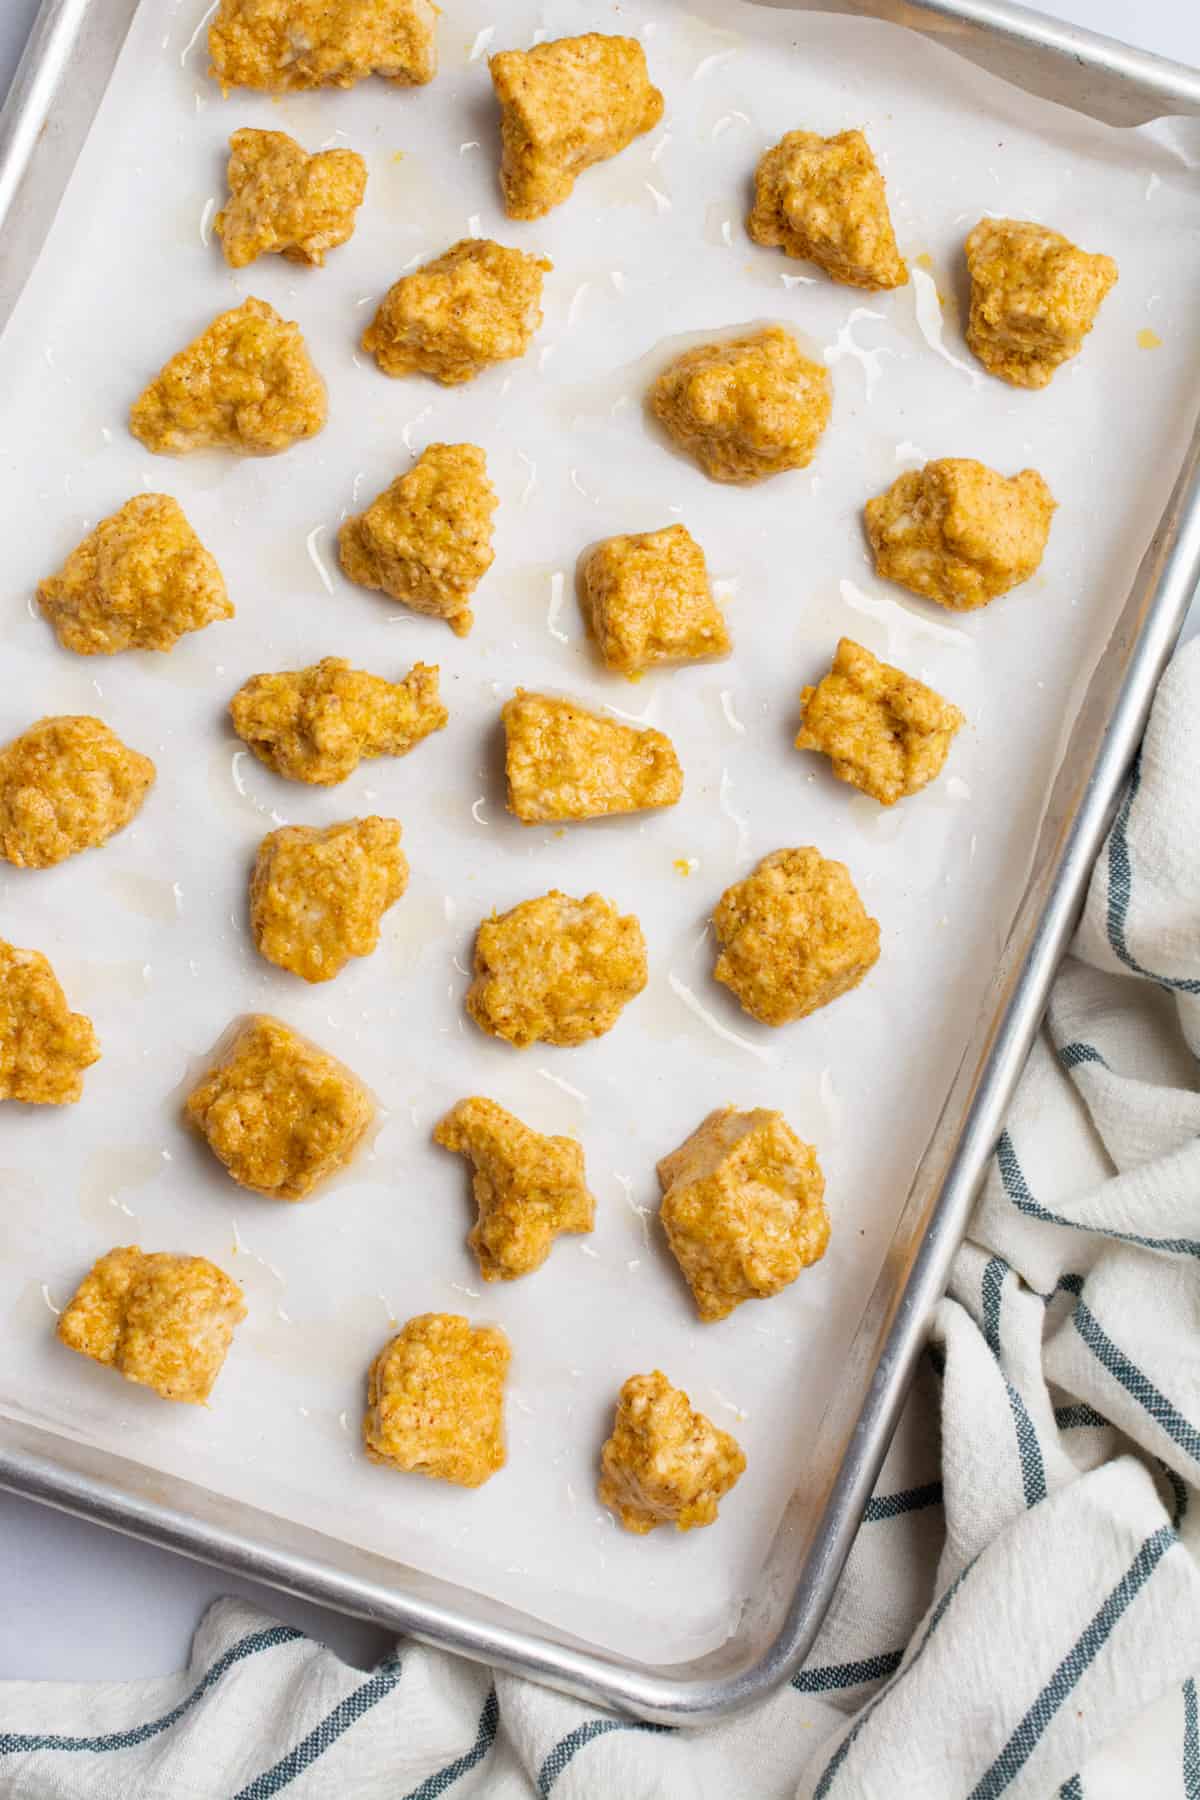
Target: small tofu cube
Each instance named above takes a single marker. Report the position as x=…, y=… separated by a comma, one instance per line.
x=280, y=1113
x=246, y=384
x=743, y=1208
x=1034, y=298
x=280, y=46
x=427, y=539
x=823, y=200
x=435, y=1400
x=66, y=785
x=281, y=200
x=529, y=1189
x=884, y=732
x=745, y=408
x=556, y=970
x=566, y=762
x=163, y=1321
x=958, y=532
x=793, y=936
x=563, y=106
x=316, y=897
x=647, y=600
x=478, y=304
x=664, y=1463
x=316, y=724
x=139, y=581
x=44, y=1046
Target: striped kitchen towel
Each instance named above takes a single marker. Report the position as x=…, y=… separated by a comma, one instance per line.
x=1021, y=1612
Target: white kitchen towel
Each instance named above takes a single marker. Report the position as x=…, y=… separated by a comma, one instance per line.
x=1020, y=1615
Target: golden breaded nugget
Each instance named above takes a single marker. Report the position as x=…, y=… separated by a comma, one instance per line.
x=1034, y=298
x=647, y=600
x=747, y=407
x=529, y=1189
x=556, y=969
x=477, y=304
x=563, y=106
x=280, y=46
x=279, y=1112
x=743, y=1208
x=793, y=936
x=245, y=384
x=163, y=1321
x=138, y=581
x=435, y=1400
x=664, y=1463
x=884, y=732
x=958, y=532
x=44, y=1046
x=316, y=724
x=823, y=200
x=282, y=200
x=66, y=785
x=564, y=761
x=427, y=539
x=316, y=897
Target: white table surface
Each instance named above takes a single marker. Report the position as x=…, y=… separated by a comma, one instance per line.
x=82, y=1604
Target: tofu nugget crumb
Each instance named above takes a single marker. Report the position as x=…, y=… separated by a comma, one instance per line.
x=280, y=46
x=664, y=1463
x=281, y=200
x=316, y=897
x=743, y=1208
x=163, y=1321
x=280, y=1113
x=556, y=969
x=1034, y=298
x=529, y=1189
x=647, y=600
x=958, y=532
x=884, y=732
x=565, y=762
x=44, y=1046
x=824, y=201
x=316, y=724
x=563, y=106
x=66, y=785
x=478, y=304
x=427, y=539
x=435, y=1400
x=745, y=408
x=139, y=581
x=793, y=936
x=246, y=384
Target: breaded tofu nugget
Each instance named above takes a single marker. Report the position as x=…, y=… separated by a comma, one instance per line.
x=478, y=304
x=280, y=46
x=563, y=106
x=793, y=936
x=44, y=1046
x=66, y=785
x=280, y=1113
x=163, y=1321
x=1034, y=298
x=664, y=1463
x=743, y=1208
x=556, y=970
x=647, y=599
x=564, y=761
x=529, y=1189
x=284, y=201
x=246, y=384
x=139, y=581
x=316, y=897
x=747, y=407
x=435, y=1400
x=317, y=724
x=823, y=200
x=958, y=532
x=885, y=733
x=427, y=540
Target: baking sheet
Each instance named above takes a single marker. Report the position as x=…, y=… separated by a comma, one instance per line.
x=150, y=937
